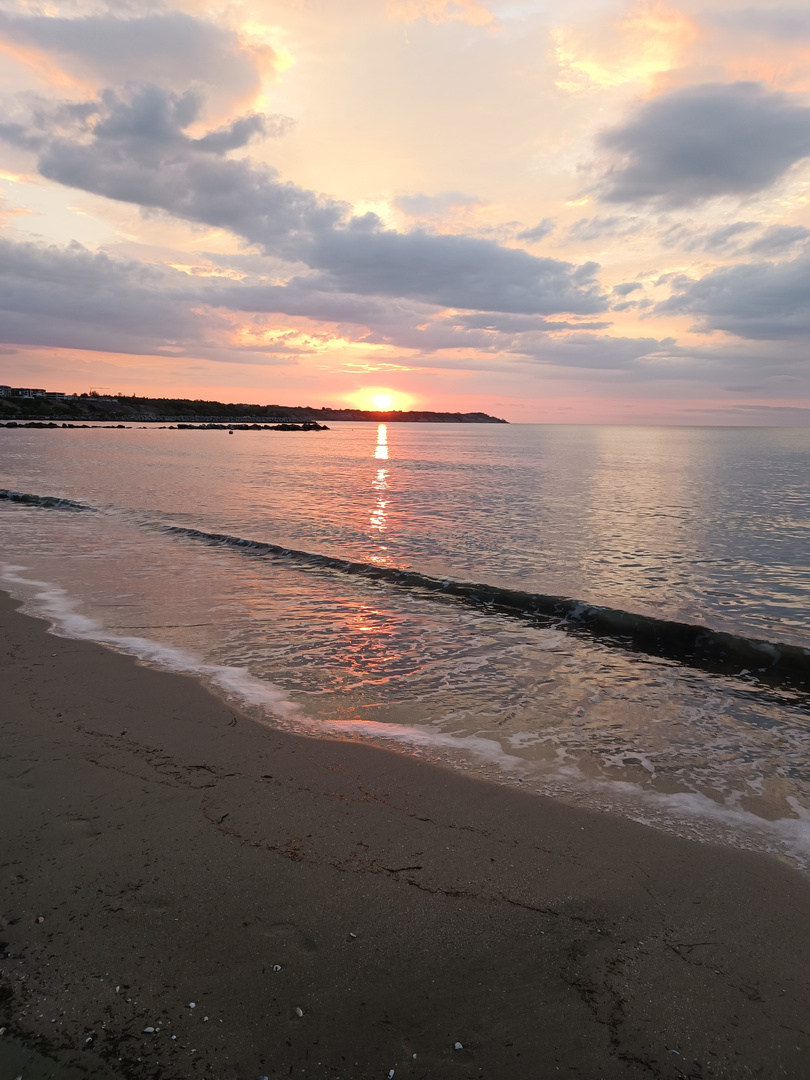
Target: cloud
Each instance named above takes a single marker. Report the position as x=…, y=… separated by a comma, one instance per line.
x=539, y=232
x=134, y=148
x=77, y=299
x=595, y=228
x=435, y=206
x=439, y=11
x=72, y=298
x=701, y=142
x=627, y=287
x=778, y=239
x=170, y=48
x=782, y=24
x=735, y=238
x=762, y=300
x=604, y=353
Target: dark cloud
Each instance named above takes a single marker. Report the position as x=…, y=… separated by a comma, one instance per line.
x=721, y=238
x=72, y=298
x=778, y=239
x=735, y=238
x=456, y=271
x=763, y=301
x=704, y=141
x=135, y=149
x=163, y=47
x=627, y=287
x=242, y=131
x=539, y=232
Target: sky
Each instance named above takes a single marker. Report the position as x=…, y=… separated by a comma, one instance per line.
x=584, y=212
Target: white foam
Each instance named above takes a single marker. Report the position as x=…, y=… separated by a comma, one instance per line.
x=59, y=608
x=688, y=813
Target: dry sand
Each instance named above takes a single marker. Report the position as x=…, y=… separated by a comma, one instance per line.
x=159, y=848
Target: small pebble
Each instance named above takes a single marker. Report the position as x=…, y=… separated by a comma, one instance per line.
x=40, y=918
x=149, y=1031
x=204, y=1019
x=192, y=1004
x=276, y=967
x=458, y=1046
x=299, y=1011
x=174, y=1036
x=390, y=1073
x=351, y=934
x=2, y=1031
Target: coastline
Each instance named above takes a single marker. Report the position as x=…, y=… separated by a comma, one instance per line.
x=178, y=850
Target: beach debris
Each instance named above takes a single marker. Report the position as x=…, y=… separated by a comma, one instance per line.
x=299, y=1011
x=39, y=919
x=579, y=711
x=276, y=967
x=390, y=1073
x=458, y=1046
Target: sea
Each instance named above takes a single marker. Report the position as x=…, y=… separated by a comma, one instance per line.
x=617, y=617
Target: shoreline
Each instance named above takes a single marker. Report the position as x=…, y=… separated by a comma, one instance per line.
x=178, y=850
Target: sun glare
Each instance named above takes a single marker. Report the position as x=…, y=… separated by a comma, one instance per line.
x=381, y=399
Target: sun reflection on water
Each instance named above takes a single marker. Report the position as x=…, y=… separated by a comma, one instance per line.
x=381, y=449
x=379, y=484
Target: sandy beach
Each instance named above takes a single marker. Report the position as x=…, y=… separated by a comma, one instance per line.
x=335, y=910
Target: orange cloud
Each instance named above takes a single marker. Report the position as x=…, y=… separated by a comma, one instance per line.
x=439, y=11
x=784, y=69
x=646, y=43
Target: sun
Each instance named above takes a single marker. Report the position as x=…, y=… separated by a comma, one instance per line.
x=381, y=399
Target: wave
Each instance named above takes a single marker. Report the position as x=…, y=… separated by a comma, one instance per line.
x=687, y=643
x=51, y=502
x=690, y=644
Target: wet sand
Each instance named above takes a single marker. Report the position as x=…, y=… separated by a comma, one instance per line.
x=159, y=848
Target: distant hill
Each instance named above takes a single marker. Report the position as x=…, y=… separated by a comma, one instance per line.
x=91, y=407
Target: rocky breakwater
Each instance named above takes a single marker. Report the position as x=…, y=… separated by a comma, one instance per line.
x=307, y=426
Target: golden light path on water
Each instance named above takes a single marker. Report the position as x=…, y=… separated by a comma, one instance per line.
x=379, y=484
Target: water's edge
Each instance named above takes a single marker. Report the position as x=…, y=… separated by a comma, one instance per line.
x=693, y=645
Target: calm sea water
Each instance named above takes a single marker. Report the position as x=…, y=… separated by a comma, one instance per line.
x=705, y=525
